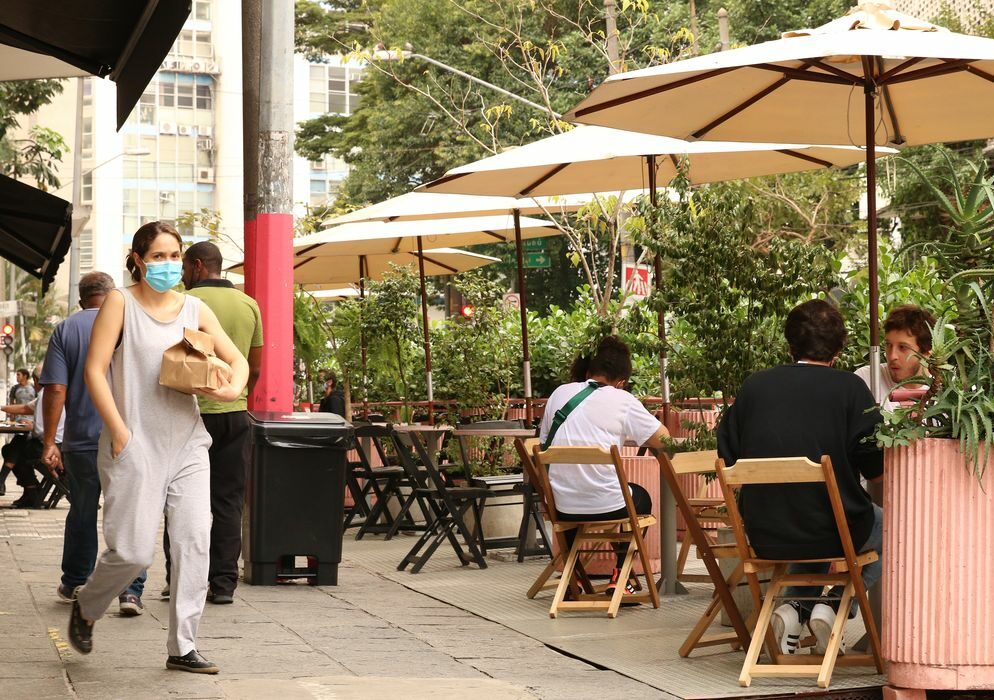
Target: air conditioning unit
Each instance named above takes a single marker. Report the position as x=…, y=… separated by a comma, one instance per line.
x=167, y=128
x=185, y=130
x=205, y=130
x=205, y=144
x=171, y=64
x=205, y=174
x=197, y=67
x=184, y=66
x=211, y=68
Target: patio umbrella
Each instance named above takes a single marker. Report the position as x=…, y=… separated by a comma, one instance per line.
x=419, y=226
x=417, y=206
x=920, y=83
x=588, y=156
x=379, y=238
x=324, y=275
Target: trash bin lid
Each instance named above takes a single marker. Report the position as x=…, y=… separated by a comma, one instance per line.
x=286, y=423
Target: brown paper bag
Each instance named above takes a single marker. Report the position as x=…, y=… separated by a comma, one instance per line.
x=191, y=364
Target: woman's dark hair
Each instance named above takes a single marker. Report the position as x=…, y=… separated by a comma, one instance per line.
x=143, y=241
x=578, y=370
x=914, y=320
x=815, y=331
x=613, y=360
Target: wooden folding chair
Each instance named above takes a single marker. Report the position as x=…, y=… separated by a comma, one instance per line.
x=383, y=483
x=538, y=478
x=622, y=531
x=695, y=511
x=849, y=573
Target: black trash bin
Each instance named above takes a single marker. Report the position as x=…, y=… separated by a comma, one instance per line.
x=295, y=497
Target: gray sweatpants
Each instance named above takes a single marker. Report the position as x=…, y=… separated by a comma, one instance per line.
x=138, y=488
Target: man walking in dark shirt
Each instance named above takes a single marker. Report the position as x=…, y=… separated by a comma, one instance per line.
x=807, y=409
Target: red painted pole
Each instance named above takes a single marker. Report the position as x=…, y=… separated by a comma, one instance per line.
x=273, y=239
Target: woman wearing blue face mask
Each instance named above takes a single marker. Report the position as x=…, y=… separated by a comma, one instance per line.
x=152, y=455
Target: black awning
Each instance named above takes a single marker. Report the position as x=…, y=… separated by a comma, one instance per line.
x=123, y=39
x=35, y=229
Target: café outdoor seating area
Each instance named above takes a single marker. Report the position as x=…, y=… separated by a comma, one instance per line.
x=688, y=639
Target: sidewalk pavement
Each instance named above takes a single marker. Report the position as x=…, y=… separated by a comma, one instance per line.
x=368, y=637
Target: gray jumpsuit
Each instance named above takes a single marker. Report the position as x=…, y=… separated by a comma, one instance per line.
x=164, y=467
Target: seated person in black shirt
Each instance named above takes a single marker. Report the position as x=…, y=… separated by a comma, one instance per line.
x=333, y=400
x=807, y=409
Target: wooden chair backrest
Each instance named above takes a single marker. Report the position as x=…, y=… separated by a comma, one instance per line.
x=537, y=476
x=572, y=454
x=700, y=462
x=782, y=470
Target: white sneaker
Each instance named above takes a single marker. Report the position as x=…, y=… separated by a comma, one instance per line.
x=821, y=623
x=787, y=628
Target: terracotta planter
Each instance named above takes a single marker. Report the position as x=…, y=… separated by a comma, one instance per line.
x=938, y=557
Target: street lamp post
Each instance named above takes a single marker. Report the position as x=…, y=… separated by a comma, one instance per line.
x=382, y=54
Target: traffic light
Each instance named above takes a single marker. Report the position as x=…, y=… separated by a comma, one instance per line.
x=7, y=339
x=467, y=311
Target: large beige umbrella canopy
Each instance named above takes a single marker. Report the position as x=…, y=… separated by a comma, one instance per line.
x=384, y=238
x=316, y=273
x=397, y=237
x=416, y=206
x=873, y=77
x=594, y=156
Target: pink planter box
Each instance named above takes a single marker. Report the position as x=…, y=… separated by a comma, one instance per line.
x=938, y=557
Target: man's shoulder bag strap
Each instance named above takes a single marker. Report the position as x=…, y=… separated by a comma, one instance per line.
x=563, y=413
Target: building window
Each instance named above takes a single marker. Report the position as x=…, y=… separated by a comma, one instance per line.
x=331, y=88
x=184, y=96
x=202, y=10
x=167, y=93
x=194, y=44
x=204, y=100
x=87, y=188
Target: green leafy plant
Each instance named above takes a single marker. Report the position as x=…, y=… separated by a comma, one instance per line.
x=958, y=404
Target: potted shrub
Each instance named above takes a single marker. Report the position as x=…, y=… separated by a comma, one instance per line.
x=938, y=614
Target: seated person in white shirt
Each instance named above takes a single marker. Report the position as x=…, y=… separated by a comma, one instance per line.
x=907, y=331
x=608, y=416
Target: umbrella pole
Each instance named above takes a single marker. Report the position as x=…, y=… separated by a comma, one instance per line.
x=362, y=337
x=523, y=308
x=871, y=235
x=667, y=583
x=664, y=382
x=424, y=322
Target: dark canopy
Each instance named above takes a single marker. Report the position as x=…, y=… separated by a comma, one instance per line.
x=123, y=39
x=35, y=229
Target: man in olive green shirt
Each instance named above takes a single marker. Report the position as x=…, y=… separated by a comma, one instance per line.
x=227, y=423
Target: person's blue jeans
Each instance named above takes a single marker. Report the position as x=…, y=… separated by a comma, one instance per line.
x=79, y=546
x=809, y=595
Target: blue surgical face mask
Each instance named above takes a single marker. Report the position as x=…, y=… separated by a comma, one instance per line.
x=163, y=276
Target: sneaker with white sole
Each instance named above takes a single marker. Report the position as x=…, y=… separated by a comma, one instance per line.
x=130, y=605
x=821, y=623
x=65, y=593
x=786, y=623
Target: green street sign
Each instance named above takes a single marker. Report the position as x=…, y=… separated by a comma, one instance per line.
x=535, y=244
x=535, y=260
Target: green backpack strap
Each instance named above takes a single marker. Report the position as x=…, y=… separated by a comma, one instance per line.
x=562, y=413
